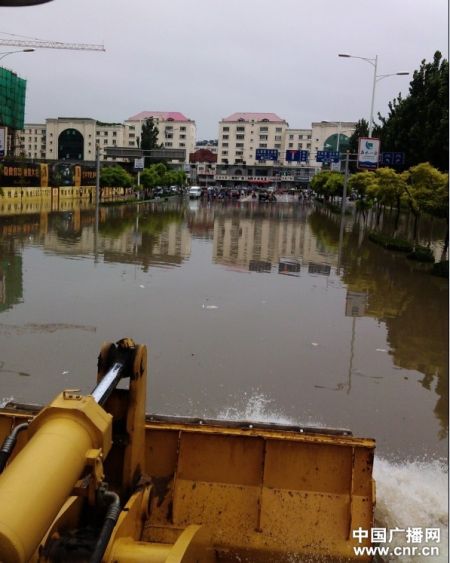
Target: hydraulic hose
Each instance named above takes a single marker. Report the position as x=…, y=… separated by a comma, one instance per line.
x=9, y=444
x=112, y=515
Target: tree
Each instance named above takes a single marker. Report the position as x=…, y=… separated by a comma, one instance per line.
x=391, y=189
x=418, y=124
x=427, y=191
x=362, y=183
x=149, y=138
x=328, y=183
x=115, y=177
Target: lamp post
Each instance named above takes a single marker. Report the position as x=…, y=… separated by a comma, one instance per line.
x=3, y=55
x=376, y=78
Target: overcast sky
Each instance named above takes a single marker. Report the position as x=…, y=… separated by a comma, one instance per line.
x=211, y=58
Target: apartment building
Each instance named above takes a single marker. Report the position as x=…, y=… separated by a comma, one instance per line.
x=175, y=130
x=32, y=140
x=242, y=134
x=75, y=138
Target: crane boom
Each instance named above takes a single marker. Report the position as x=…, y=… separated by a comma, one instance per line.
x=50, y=45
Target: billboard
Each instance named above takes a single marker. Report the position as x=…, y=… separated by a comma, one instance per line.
x=368, y=153
x=12, y=99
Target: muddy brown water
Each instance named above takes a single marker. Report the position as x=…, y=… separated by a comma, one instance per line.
x=262, y=311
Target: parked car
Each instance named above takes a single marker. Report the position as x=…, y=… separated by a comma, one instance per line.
x=195, y=192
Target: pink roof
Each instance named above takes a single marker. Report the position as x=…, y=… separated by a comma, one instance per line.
x=163, y=115
x=246, y=116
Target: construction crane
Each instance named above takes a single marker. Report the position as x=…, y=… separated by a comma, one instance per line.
x=40, y=44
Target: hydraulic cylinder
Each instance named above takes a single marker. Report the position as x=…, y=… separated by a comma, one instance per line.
x=36, y=483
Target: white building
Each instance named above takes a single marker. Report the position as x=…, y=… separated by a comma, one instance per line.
x=175, y=130
x=241, y=134
x=75, y=138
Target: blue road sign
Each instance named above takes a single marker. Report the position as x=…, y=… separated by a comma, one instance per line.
x=327, y=156
x=293, y=155
x=393, y=158
x=266, y=154
x=399, y=158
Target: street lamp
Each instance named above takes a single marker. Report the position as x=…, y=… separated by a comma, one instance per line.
x=3, y=55
x=376, y=78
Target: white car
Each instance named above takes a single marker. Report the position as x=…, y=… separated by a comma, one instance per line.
x=195, y=192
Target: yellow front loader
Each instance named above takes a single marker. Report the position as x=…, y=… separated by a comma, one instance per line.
x=91, y=478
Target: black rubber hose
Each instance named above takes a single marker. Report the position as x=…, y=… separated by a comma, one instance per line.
x=9, y=443
x=112, y=515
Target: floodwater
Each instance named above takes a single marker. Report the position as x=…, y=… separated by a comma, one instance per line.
x=261, y=311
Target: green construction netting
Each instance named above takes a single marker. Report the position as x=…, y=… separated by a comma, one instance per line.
x=12, y=99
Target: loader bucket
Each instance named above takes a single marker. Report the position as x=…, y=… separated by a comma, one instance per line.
x=264, y=493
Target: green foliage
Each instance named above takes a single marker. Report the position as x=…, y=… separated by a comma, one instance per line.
x=391, y=186
x=115, y=177
x=149, y=137
x=159, y=175
x=427, y=190
x=328, y=183
x=418, y=124
x=361, y=182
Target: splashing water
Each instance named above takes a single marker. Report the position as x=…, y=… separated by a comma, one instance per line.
x=411, y=494
x=4, y=401
x=257, y=407
x=415, y=495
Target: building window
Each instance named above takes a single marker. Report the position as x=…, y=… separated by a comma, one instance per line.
x=240, y=145
x=105, y=141
x=226, y=128
x=277, y=137
x=182, y=136
x=291, y=137
x=277, y=146
x=182, y=145
x=105, y=133
x=131, y=143
x=240, y=137
x=114, y=134
x=224, y=152
x=300, y=145
x=263, y=129
x=224, y=136
x=182, y=128
x=240, y=128
x=224, y=144
x=291, y=145
x=263, y=137
x=278, y=130
x=263, y=145
x=131, y=135
x=168, y=144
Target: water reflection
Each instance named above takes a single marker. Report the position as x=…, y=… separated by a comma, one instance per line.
x=11, y=285
x=337, y=328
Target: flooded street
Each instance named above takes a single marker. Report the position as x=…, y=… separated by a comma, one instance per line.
x=269, y=312
x=248, y=311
